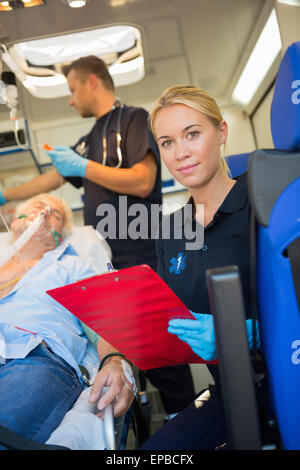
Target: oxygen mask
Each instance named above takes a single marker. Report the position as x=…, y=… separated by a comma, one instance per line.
x=43, y=220
x=35, y=228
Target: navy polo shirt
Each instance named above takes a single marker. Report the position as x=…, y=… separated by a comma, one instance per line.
x=226, y=242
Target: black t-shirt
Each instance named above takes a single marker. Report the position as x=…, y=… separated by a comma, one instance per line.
x=136, y=141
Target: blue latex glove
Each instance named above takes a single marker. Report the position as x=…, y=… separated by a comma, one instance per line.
x=2, y=199
x=200, y=334
x=67, y=161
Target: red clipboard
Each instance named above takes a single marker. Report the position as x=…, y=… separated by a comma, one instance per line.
x=130, y=308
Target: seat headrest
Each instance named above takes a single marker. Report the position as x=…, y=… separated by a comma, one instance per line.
x=285, y=110
x=238, y=164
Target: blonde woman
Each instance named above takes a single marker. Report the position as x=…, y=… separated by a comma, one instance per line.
x=190, y=133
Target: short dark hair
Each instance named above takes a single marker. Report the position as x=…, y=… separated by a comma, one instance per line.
x=91, y=64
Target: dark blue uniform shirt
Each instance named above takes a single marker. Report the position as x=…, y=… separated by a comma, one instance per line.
x=226, y=242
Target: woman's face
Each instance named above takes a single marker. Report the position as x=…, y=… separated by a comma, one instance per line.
x=189, y=144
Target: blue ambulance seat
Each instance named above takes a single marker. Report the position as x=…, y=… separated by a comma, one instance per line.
x=277, y=210
x=238, y=164
x=274, y=191
x=285, y=111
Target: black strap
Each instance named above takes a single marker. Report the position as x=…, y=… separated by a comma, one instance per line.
x=107, y=356
x=10, y=440
x=293, y=251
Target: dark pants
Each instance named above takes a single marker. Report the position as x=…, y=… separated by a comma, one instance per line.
x=175, y=386
x=202, y=428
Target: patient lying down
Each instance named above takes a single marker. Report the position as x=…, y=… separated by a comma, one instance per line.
x=42, y=343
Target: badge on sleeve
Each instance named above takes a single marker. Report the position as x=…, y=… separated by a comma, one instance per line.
x=178, y=264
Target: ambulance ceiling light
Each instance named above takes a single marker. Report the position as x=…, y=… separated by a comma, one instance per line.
x=76, y=3
x=15, y=4
x=68, y=47
x=37, y=63
x=265, y=52
x=294, y=3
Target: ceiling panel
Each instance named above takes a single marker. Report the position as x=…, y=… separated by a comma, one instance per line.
x=155, y=31
x=185, y=41
x=162, y=74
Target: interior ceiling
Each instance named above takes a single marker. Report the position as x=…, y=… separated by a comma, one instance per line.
x=196, y=42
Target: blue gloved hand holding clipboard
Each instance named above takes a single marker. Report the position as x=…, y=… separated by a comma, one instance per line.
x=200, y=334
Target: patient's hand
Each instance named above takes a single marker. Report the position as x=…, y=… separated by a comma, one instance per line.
x=112, y=376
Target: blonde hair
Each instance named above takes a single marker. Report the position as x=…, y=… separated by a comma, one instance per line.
x=68, y=215
x=192, y=97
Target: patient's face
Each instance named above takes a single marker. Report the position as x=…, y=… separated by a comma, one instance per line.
x=54, y=219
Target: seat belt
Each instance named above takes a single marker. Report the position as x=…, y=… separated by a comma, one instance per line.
x=13, y=441
x=253, y=229
x=259, y=367
x=293, y=251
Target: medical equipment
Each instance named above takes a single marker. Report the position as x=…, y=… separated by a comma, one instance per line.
x=20, y=242
x=9, y=96
x=34, y=223
x=109, y=430
x=119, y=106
x=82, y=147
x=10, y=93
x=81, y=428
x=1, y=51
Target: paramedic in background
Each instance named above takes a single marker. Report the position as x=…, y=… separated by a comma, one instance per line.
x=138, y=178
x=41, y=342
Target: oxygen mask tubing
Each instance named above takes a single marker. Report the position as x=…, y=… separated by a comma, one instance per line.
x=32, y=224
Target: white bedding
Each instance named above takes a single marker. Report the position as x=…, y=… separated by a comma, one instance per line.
x=80, y=429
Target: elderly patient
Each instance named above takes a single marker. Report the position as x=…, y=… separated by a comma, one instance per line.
x=42, y=343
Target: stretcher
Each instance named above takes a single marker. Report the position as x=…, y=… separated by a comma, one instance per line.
x=81, y=429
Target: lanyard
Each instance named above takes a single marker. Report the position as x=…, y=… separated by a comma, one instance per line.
x=120, y=107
